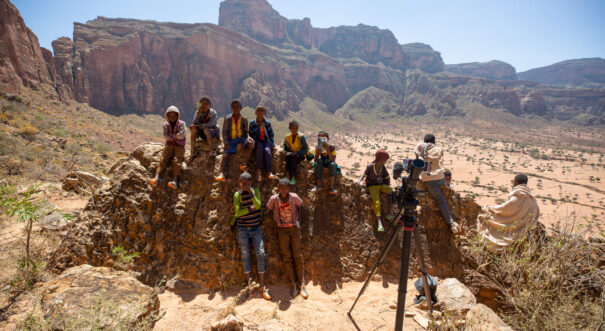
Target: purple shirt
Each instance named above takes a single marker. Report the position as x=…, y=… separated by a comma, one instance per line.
x=273, y=204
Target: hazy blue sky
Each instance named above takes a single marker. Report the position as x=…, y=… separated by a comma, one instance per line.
x=524, y=33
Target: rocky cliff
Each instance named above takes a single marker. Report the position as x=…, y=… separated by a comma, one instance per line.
x=22, y=61
x=494, y=69
x=578, y=72
x=121, y=65
x=185, y=233
x=423, y=57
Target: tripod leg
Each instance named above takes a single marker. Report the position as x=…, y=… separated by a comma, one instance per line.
x=420, y=255
x=403, y=279
x=383, y=254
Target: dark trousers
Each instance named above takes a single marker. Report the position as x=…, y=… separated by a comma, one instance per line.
x=292, y=160
x=291, y=254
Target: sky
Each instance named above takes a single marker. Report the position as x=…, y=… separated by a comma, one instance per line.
x=524, y=33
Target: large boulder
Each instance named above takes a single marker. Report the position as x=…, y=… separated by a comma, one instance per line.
x=455, y=296
x=81, y=182
x=481, y=317
x=185, y=233
x=86, y=296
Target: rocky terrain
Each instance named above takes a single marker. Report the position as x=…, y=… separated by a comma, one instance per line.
x=132, y=66
x=587, y=73
x=496, y=70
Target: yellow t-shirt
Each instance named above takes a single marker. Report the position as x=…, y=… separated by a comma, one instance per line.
x=236, y=130
x=296, y=145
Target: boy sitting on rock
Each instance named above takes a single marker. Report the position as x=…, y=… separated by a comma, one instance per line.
x=247, y=220
x=378, y=181
x=205, y=126
x=325, y=157
x=296, y=148
x=174, y=147
x=235, y=132
x=262, y=133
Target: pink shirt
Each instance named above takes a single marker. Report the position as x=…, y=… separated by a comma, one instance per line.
x=274, y=204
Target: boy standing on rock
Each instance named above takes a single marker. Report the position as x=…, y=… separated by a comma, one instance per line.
x=262, y=133
x=247, y=220
x=205, y=126
x=377, y=181
x=235, y=132
x=296, y=148
x=174, y=147
x=285, y=206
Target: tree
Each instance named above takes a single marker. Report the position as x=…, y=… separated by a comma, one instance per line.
x=26, y=210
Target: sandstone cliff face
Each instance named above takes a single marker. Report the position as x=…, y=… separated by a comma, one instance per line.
x=495, y=69
x=578, y=72
x=257, y=19
x=185, y=233
x=121, y=65
x=22, y=63
x=423, y=57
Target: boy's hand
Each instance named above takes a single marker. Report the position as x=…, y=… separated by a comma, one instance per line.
x=317, y=150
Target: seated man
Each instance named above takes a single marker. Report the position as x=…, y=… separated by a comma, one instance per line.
x=325, y=157
x=502, y=224
x=433, y=177
x=205, y=126
x=235, y=132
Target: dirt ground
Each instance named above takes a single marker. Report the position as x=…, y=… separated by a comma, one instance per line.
x=569, y=182
x=190, y=310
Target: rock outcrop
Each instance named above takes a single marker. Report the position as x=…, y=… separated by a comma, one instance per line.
x=423, y=57
x=94, y=297
x=534, y=103
x=578, y=72
x=481, y=317
x=22, y=62
x=185, y=233
x=494, y=69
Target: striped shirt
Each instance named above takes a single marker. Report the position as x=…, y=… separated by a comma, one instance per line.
x=253, y=218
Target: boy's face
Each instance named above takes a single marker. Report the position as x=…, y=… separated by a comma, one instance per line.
x=236, y=109
x=293, y=129
x=381, y=163
x=283, y=190
x=448, y=178
x=260, y=114
x=323, y=136
x=205, y=106
x=244, y=184
x=172, y=117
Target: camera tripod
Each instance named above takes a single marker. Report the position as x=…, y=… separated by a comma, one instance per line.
x=408, y=222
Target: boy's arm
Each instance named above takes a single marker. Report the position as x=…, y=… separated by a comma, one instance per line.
x=181, y=133
x=305, y=147
x=365, y=174
x=237, y=204
x=211, y=121
x=245, y=127
x=225, y=133
x=196, y=117
x=166, y=132
x=387, y=178
x=251, y=130
x=270, y=134
x=332, y=153
x=271, y=203
x=256, y=198
x=285, y=145
x=296, y=200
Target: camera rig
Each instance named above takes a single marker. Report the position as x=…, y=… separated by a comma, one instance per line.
x=405, y=197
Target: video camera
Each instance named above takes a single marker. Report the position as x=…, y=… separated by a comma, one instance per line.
x=406, y=195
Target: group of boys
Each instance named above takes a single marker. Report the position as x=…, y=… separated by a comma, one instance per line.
x=258, y=136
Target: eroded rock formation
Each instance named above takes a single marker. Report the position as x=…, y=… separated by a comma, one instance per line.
x=494, y=69
x=185, y=233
